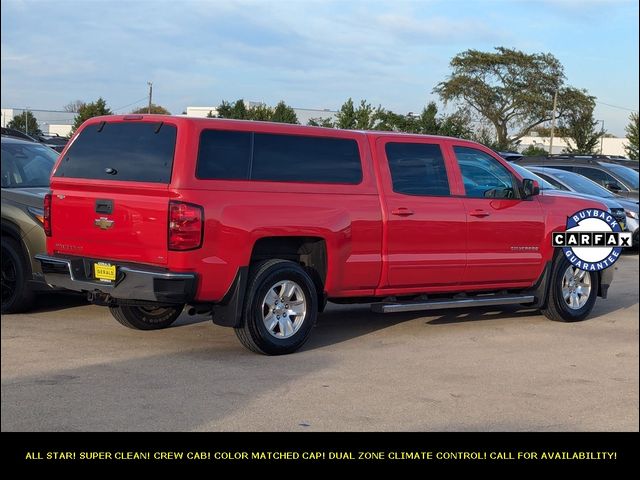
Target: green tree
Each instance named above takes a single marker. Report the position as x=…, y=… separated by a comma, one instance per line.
x=458, y=125
x=535, y=151
x=157, y=109
x=320, y=122
x=283, y=113
x=346, y=116
x=224, y=110
x=632, y=136
x=25, y=122
x=427, y=122
x=89, y=110
x=578, y=127
x=261, y=112
x=511, y=89
x=366, y=116
x=239, y=110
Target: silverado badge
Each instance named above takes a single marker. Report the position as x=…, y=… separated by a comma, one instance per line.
x=103, y=223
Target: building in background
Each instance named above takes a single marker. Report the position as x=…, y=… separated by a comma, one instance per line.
x=610, y=146
x=51, y=122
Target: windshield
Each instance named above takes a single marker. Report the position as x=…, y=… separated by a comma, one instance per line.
x=26, y=165
x=580, y=184
x=524, y=173
x=629, y=176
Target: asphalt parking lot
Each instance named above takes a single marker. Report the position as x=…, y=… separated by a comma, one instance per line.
x=69, y=366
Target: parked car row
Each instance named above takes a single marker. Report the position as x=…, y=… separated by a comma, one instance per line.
x=55, y=141
x=615, y=177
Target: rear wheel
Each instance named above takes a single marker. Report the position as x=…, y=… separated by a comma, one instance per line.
x=280, y=310
x=572, y=293
x=146, y=318
x=17, y=296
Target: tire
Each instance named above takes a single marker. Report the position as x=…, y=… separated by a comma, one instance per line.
x=17, y=296
x=280, y=310
x=562, y=304
x=145, y=318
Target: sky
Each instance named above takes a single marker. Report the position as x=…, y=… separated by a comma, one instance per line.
x=309, y=53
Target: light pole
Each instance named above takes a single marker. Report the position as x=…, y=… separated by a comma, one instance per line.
x=601, y=136
x=553, y=120
x=150, y=92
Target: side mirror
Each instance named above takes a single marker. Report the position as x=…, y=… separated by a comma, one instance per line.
x=613, y=186
x=530, y=187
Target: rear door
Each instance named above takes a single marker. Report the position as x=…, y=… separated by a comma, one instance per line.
x=425, y=231
x=110, y=192
x=504, y=231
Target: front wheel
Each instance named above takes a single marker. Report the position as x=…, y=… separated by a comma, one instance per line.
x=572, y=293
x=146, y=318
x=280, y=309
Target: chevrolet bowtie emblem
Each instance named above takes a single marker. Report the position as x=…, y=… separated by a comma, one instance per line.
x=103, y=223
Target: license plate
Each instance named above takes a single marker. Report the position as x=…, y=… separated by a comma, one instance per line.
x=105, y=272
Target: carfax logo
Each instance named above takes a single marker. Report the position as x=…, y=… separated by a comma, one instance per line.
x=593, y=240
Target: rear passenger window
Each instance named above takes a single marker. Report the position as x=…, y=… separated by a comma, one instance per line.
x=417, y=169
x=224, y=155
x=228, y=155
x=293, y=158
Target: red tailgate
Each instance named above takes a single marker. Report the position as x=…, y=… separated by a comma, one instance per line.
x=134, y=231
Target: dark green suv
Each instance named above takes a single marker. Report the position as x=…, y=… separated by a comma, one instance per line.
x=26, y=167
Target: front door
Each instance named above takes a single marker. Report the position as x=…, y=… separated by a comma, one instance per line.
x=504, y=231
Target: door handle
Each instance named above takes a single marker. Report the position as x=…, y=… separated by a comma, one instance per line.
x=479, y=213
x=402, y=212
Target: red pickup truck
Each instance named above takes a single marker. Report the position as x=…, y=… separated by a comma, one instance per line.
x=261, y=223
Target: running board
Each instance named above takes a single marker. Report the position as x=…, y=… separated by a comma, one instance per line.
x=483, y=301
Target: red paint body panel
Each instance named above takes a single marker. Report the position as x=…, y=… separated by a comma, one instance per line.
x=370, y=250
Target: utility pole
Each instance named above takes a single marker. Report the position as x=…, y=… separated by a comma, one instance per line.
x=602, y=138
x=150, y=92
x=553, y=121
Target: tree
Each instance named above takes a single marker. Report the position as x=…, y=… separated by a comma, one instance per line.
x=535, y=151
x=366, y=116
x=346, y=116
x=632, y=136
x=579, y=127
x=321, y=122
x=458, y=125
x=157, y=109
x=511, y=89
x=261, y=113
x=74, y=106
x=284, y=114
x=25, y=122
x=89, y=110
x=427, y=121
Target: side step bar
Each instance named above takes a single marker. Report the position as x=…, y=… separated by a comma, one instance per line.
x=442, y=303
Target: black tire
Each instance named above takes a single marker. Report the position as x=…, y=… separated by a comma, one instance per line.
x=263, y=277
x=146, y=318
x=17, y=296
x=557, y=308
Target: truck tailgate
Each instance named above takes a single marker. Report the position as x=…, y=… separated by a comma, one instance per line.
x=115, y=224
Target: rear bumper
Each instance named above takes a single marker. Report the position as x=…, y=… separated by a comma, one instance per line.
x=133, y=282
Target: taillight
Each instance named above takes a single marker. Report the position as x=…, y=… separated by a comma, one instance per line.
x=185, y=226
x=46, y=221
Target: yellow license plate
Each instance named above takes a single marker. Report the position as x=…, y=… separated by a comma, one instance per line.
x=104, y=271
